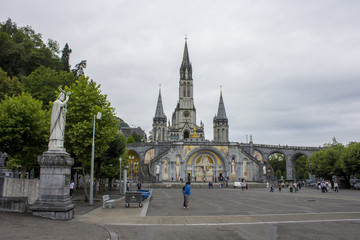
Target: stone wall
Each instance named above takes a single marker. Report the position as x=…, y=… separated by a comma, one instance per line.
x=20, y=188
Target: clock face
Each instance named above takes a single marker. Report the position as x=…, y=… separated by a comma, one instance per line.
x=186, y=114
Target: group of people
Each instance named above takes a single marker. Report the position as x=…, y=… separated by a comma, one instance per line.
x=293, y=186
x=325, y=186
x=138, y=185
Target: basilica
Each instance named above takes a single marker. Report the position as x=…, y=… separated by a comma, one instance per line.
x=179, y=150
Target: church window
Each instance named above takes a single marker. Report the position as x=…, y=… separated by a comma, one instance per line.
x=186, y=134
x=186, y=114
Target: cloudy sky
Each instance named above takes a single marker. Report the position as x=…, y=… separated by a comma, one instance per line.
x=289, y=70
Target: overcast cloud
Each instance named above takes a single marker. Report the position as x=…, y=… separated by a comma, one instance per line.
x=289, y=70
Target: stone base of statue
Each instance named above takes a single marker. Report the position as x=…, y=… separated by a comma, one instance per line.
x=55, y=173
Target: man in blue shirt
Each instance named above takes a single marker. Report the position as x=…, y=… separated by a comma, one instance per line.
x=187, y=195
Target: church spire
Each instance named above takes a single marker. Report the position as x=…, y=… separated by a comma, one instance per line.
x=221, y=125
x=221, y=114
x=186, y=69
x=159, y=122
x=159, y=112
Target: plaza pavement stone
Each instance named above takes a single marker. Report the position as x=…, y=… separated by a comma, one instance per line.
x=214, y=214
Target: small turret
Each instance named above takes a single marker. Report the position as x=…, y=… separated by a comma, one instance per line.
x=220, y=123
x=159, y=122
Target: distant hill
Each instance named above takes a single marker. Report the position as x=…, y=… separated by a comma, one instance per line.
x=123, y=124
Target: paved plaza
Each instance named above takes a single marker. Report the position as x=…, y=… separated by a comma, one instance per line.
x=214, y=214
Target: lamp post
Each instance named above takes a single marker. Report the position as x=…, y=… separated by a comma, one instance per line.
x=135, y=170
x=125, y=178
x=120, y=176
x=131, y=158
x=91, y=202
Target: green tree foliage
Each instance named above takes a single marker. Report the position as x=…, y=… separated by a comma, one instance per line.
x=350, y=159
x=278, y=163
x=326, y=163
x=85, y=102
x=65, y=58
x=109, y=161
x=130, y=139
x=22, y=50
x=23, y=130
x=9, y=85
x=44, y=82
x=123, y=124
x=301, y=172
x=79, y=68
x=137, y=137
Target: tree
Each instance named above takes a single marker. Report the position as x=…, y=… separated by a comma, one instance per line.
x=79, y=68
x=9, y=85
x=85, y=102
x=278, y=163
x=137, y=137
x=65, y=58
x=350, y=159
x=108, y=164
x=22, y=50
x=326, y=163
x=44, y=82
x=300, y=168
x=23, y=130
x=130, y=139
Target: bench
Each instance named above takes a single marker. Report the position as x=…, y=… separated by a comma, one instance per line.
x=107, y=201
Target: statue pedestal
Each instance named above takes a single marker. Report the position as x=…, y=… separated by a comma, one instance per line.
x=55, y=174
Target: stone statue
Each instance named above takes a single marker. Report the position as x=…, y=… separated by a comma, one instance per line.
x=157, y=170
x=177, y=168
x=166, y=170
x=245, y=173
x=58, y=119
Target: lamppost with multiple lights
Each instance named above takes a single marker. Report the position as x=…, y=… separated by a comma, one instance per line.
x=91, y=202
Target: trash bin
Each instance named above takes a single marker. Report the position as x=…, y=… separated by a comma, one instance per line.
x=291, y=189
x=145, y=193
x=133, y=197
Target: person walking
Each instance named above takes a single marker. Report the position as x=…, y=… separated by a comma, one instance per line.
x=139, y=185
x=336, y=187
x=72, y=187
x=183, y=190
x=127, y=186
x=187, y=192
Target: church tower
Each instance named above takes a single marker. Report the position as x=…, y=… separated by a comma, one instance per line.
x=220, y=123
x=159, y=122
x=184, y=117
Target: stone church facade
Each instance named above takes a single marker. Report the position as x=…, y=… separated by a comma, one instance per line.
x=179, y=149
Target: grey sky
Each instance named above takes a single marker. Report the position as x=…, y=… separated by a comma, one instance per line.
x=289, y=70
